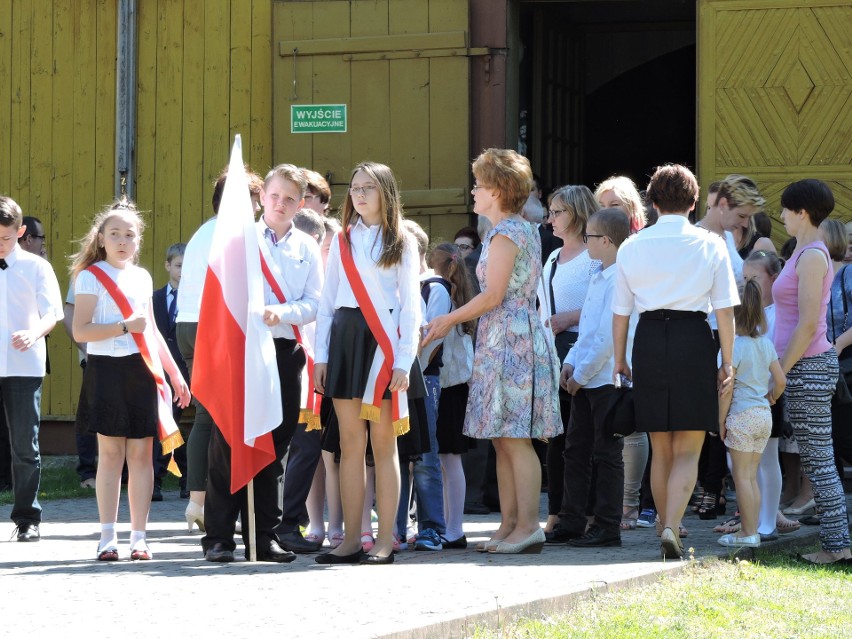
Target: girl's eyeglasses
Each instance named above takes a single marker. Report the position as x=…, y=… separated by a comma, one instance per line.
x=362, y=190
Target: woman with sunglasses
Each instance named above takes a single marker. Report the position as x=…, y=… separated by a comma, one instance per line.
x=561, y=291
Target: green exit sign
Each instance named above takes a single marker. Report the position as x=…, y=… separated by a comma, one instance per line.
x=317, y=118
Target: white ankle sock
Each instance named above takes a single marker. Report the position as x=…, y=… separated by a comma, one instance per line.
x=137, y=539
x=108, y=537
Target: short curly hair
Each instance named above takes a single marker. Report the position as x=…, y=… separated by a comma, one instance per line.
x=505, y=171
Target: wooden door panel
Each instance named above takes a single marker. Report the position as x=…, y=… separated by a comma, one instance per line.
x=775, y=95
x=403, y=74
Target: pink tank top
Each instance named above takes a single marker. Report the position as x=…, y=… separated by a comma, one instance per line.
x=785, y=292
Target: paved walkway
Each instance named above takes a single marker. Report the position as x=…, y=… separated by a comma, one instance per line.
x=56, y=585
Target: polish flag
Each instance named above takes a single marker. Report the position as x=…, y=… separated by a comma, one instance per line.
x=235, y=375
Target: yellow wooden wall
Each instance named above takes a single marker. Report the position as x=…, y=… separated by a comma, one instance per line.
x=402, y=68
x=57, y=136
x=775, y=96
x=204, y=74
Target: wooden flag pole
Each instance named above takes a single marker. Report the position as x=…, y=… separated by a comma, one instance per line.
x=252, y=533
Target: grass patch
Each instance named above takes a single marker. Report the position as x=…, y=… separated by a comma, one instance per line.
x=59, y=480
x=773, y=596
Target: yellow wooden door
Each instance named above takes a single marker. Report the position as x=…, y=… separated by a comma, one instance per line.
x=401, y=69
x=775, y=95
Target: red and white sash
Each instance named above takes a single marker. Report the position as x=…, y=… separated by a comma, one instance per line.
x=309, y=403
x=386, y=334
x=168, y=432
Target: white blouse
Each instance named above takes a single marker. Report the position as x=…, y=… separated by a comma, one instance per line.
x=676, y=266
x=399, y=284
x=137, y=286
x=570, y=284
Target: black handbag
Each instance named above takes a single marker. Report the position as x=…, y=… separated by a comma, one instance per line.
x=842, y=394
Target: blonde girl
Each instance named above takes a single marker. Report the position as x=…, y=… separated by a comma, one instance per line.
x=745, y=419
x=119, y=400
x=373, y=268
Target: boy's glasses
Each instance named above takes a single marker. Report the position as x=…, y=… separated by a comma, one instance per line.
x=586, y=237
x=362, y=190
x=465, y=247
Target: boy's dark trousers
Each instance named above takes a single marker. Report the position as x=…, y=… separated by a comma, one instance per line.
x=220, y=506
x=585, y=445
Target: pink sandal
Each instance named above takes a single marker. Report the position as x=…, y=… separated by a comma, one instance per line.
x=367, y=541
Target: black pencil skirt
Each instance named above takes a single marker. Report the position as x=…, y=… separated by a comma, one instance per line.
x=674, y=373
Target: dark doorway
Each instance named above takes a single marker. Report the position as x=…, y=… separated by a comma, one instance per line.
x=607, y=88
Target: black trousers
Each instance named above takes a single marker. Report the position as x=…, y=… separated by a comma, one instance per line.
x=586, y=444
x=220, y=506
x=305, y=451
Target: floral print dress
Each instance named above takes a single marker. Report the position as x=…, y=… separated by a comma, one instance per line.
x=515, y=383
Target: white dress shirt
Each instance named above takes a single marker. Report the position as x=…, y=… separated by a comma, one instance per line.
x=736, y=267
x=29, y=291
x=673, y=265
x=136, y=284
x=297, y=256
x=399, y=284
x=194, y=271
x=592, y=356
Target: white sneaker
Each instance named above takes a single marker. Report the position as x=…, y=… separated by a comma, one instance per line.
x=751, y=541
x=88, y=483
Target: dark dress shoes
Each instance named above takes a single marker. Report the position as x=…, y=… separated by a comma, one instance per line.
x=157, y=494
x=375, y=560
x=28, y=531
x=275, y=553
x=294, y=542
x=561, y=535
x=597, y=537
x=328, y=559
x=219, y=554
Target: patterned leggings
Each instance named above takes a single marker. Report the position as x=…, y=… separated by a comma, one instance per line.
x=810, y=385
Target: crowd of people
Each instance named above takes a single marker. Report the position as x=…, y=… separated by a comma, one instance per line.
x=637, y=355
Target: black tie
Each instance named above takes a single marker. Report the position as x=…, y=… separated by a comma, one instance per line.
x=3, y=264
x=173, y=308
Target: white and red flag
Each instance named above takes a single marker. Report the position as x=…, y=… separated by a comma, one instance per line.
x=235, y=374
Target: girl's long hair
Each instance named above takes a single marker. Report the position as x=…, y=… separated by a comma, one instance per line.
x=91, y=250
x=393, y=237
x=748, y=314
x=447, y=262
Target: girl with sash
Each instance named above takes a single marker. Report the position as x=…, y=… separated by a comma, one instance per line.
x=125, y=399
x=367, y=335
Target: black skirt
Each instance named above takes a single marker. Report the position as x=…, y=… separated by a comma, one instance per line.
x=351, y=349
x=451, y=411
x=350, y=355
x=674, y=373
x=118, y=398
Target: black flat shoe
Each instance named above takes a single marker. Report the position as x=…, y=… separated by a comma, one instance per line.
x=375, y=560
x=328, y=559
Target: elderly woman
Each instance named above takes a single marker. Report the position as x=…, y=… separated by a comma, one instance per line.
x=671, y=274
x=801, y=293
x=561, y=292
x=514, y=388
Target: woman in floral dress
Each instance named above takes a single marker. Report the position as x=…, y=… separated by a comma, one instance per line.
x=514, y=389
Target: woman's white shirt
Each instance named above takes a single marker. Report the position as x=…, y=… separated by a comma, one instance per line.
x=137, y=286
x=676, y=266
x=570, y=284
x=399, y=290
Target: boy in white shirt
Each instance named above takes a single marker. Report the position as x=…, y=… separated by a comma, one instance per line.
x=587, y=374
x=32, y=303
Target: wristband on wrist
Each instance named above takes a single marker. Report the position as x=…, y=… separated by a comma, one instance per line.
x=123, y=327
